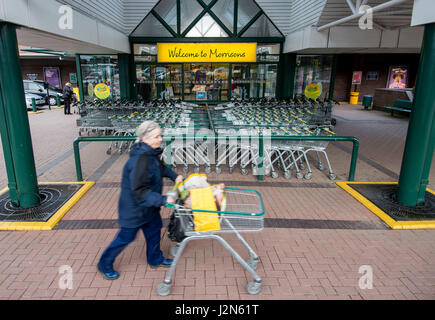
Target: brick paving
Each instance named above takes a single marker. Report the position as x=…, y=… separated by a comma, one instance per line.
x=295, y=263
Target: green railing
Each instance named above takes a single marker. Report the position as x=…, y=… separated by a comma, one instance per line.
x=168, y=140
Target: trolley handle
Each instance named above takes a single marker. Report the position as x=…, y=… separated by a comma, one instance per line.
x=172, y=193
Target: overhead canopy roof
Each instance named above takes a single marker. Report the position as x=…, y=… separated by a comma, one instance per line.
x=396, y=16
x=207, y=18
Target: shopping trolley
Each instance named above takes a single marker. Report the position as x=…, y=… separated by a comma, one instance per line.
x=243, y=212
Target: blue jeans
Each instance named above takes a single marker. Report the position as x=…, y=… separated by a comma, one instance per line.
x=151, y=231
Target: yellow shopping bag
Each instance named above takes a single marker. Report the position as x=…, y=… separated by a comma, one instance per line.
x=203, y=199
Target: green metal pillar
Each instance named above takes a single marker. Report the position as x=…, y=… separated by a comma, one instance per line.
x=288, y=75
x=419, y=145
x=124, y=75
x=427, y=165
x=10, y=170
x=79, y=78
x=15, y=125
x=333, y=75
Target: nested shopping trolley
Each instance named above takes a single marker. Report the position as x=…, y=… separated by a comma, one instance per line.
x=243, y=211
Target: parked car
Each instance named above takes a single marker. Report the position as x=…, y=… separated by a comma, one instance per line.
x=40, y=88
x=39, y=100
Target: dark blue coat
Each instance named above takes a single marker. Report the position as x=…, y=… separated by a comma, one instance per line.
x=141, y=186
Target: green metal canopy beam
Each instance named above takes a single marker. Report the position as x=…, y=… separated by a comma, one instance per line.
x=124, y=75
x=199, y=17
x=419, y=145
x=288, y=61
x=163, y=22
x=250, y=23
x=218, y=21
x=79, y=78
x=14, y=111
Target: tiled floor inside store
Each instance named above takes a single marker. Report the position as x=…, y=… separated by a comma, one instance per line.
x=316, y=236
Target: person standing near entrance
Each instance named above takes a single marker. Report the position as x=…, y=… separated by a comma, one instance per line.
x=67, y=93
x=140, y=200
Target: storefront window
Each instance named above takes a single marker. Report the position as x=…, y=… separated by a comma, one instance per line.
x=206, y=81
x=157, y=82
x=145, y=49
x=100, y=69
x=206, y=27
x=254, y=80
x=313, y=69
x=268, y=52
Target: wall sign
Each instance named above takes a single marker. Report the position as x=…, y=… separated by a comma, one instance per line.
x=32, y=76
x=372, y=75
x=356, y=77
x=52, y=76
x=73, y=77
x=398, y=76
x=207, y=52
x=102, y=91
x=313, y=91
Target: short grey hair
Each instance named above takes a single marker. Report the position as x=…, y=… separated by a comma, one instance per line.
x=145, y=129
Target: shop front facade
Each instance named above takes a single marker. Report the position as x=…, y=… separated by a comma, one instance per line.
x=239, y=54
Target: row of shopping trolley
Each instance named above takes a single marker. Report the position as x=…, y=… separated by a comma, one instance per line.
x=236, y=128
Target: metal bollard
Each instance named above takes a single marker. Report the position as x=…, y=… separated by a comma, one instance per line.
x=33, y=104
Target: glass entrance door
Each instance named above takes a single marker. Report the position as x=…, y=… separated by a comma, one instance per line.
x=206, y=81
x=155, y=81
x=254, y=80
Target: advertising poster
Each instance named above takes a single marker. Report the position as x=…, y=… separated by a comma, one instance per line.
x=52, y=76
x=397, y=77
x=356, y=77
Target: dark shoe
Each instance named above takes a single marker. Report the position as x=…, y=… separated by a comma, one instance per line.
x=109, y=275
x=165, y=263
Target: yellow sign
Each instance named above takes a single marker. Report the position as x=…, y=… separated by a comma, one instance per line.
x=313, y=91
x=102, y=91
x=207, y=52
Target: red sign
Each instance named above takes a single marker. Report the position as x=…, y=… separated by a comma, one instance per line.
x=356, y=77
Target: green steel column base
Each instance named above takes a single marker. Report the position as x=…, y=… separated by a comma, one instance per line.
x=420, y=139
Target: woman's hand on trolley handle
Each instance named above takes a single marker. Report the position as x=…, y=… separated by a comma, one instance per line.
x=171, y=196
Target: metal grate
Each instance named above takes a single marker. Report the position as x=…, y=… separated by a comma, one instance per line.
x=53, y=197
x=382, y=195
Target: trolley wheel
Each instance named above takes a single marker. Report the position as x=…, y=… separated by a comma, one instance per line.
x=253, y=263
x=253, y=287
x=231, y=169
x=274, y=174
x=321, y=167
x=299, y=175
x=185, y=169
x=244, y=171
x=109, y=151
x=301, y=166
x=332, y=176
x=164, y=289
x=218, y=170
x=287, y=174
x=196, y=170
x=308, y=175
x=207, y=170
